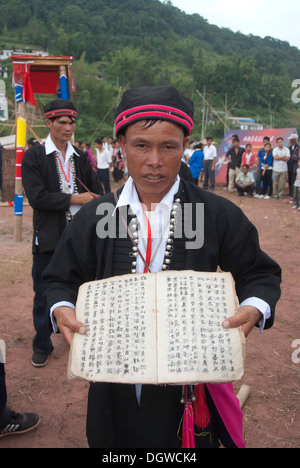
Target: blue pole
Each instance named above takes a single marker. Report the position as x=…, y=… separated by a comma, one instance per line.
x=64, y=92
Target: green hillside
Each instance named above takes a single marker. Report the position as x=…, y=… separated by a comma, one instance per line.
x=119, y=43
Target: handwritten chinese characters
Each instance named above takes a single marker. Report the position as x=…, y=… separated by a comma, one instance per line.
x=163, y=328
x=197, y=344
x=118, y=319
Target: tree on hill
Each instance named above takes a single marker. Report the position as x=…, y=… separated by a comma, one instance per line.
x=149, y=42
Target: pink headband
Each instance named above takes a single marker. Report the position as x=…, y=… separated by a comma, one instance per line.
x=61, y=113
x=154, y=111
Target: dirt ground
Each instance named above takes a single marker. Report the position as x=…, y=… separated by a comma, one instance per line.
x=271, y=413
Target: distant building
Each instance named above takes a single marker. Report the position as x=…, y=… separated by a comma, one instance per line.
x=245, y=123
x=7, y=53
x=3, y=72
x=239, y=123
x=9, y=142
x=3, y=102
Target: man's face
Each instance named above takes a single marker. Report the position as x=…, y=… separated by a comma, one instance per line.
x=245, y=170
x=280, y=143
x=153, y=156
x=61, y=129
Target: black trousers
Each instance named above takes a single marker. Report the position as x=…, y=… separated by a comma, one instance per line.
x=242, y=190
x=103, y=176
x=115, y=420
x=209, y=175
x=292, y=178
x=267, y=183
x=42, y=341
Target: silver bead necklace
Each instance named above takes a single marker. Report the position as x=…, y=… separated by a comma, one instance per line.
x=134, y=231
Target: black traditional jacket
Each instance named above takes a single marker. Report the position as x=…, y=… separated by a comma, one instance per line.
x=42, y=187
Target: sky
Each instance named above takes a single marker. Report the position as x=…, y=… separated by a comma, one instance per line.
x=276, y=18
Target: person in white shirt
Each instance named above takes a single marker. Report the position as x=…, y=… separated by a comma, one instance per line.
x=111, y=146
x=210, y=159
x=188, y=152
x=103, y=164
x=58, y=180
x=281, y=156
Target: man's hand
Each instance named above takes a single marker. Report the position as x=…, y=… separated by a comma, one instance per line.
x=82, y=198
x=247, y=317
x=67, y=323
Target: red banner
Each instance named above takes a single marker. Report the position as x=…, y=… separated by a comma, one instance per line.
x=22, y=83
x=44, y=82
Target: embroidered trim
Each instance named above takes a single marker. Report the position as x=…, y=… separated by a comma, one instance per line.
x=61, y=177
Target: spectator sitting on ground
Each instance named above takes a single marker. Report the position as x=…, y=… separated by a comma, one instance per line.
x=245, y=181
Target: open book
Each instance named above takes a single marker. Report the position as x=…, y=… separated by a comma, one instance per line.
x=158, y=328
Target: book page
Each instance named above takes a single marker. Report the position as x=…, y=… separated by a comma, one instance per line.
x=120, y=345
x=193, y=347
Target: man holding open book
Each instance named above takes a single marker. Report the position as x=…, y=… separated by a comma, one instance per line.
x=155, y=223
